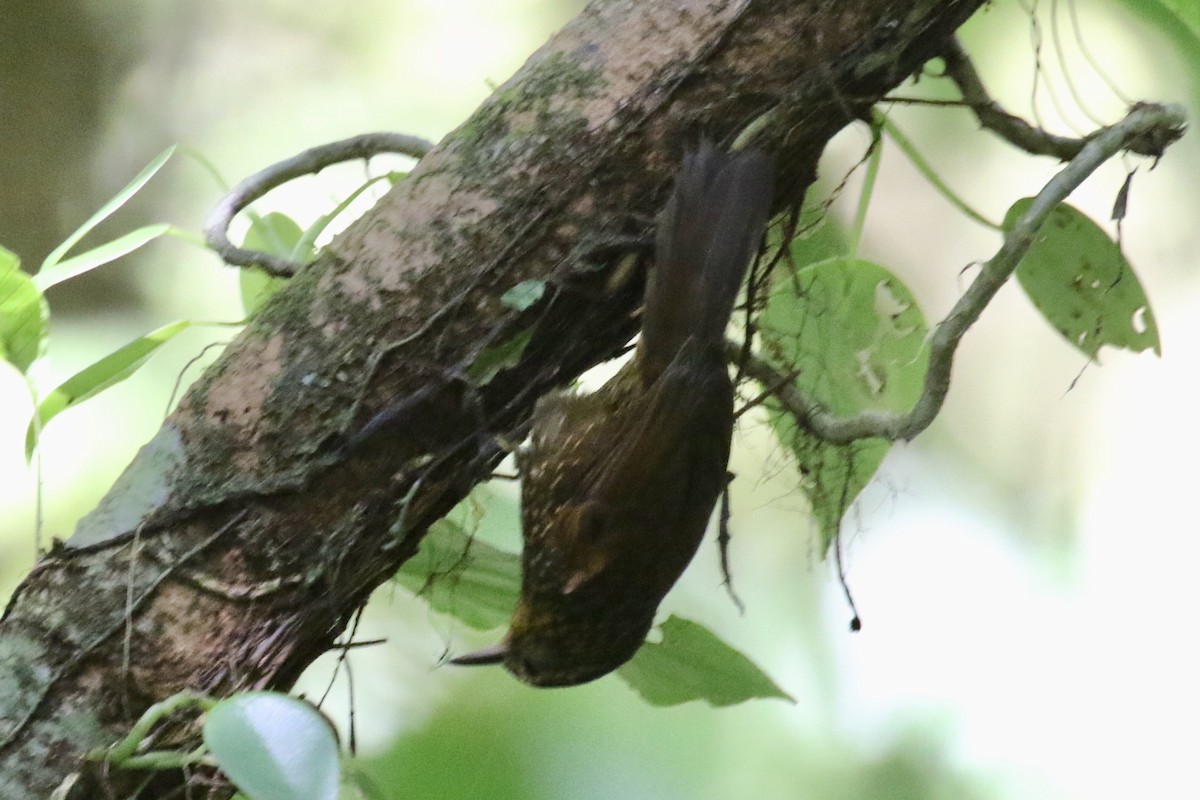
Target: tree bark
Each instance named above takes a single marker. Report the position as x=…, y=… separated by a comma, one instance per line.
x=236, y=546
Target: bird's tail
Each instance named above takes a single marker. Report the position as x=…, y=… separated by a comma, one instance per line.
x=709, y=230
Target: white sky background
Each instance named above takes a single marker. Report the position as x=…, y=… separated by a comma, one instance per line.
x=1025, y=572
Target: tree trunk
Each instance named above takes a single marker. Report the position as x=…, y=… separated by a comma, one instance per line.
x=236, y=546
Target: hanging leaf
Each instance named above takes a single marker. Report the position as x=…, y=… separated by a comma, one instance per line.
x=1078, y=279
x=23, y=314
x=463, y=577
x=479, y=584
x=692, y=663
x=274, y=747
x=853, y=336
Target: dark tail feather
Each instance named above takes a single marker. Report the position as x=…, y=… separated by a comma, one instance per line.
x=708, y=232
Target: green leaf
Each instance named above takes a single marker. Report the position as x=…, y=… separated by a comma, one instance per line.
x=91, y=380
x=691, y=663
x=23, y=314
x=1078, y=279
x=494, y=360
x=854, y=336
x=98, y=256
x=1185, y=11
x=1179, y=20
x=306, y=246
x=275, y=234
x=274, y=747
x=361, y=784
x=524, y=294
x=257, y=287
x=464, y=577
x=820, y=238
x=109, y=208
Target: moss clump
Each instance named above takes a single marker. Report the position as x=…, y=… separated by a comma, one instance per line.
x=540, y=108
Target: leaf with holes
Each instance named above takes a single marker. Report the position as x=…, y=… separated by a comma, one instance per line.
x=1078, y=279
x=854, y=338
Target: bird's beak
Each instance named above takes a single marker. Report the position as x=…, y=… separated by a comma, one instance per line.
x=488, y=655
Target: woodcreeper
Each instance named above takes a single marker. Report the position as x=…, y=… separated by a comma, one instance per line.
x=619, y=485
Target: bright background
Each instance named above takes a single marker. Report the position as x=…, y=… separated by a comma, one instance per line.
x=1024, y=570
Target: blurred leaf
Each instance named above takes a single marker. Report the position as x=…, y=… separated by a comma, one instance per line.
x=854, y=337
x=257, y=287
x=278, y=235
x=1179, y=22
x=91, y=380
x=23, y=314
x=494, y=360
x=1078, y=279
x=691, y=663
x=98, y=256
x=822, y=238
x=464, y=577
x=275, y=234
x=360, y=785
x=274, y=747
x=118, y=200
x=1184, y=12
x=306, y=246
x=524, y=294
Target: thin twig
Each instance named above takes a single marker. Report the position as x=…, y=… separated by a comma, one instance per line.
x=310, y=162
x=992, y=116
x=723, y=539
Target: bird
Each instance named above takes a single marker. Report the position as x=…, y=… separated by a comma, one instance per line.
x=618, y=485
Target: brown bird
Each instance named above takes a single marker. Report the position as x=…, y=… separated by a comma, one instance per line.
x=619, y=485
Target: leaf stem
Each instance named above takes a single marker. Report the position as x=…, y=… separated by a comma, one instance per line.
x=927, y=170
x=868, y=188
